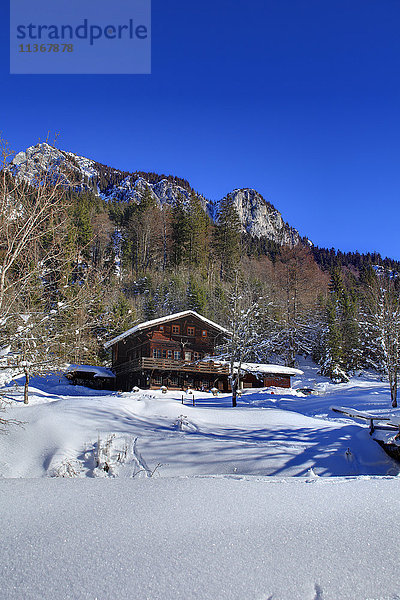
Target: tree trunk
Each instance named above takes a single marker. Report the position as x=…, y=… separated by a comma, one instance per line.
x=393, y=385
x=393, y=392
x=164, y=243
x=234, y=391
x=26, y=386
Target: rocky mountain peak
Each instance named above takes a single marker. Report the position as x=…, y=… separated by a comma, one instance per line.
x=42, y=158
x=108, y=183
x=259, y=217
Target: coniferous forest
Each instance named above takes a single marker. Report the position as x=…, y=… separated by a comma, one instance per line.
x=77, y=268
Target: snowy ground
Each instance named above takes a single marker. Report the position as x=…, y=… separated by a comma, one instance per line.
x=271, y=432
x=278, y=498
x=221, y=538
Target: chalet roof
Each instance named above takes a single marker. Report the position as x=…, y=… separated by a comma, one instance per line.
x=95, y=371
x=160, y=321
x=261, y=368
x=268, y=368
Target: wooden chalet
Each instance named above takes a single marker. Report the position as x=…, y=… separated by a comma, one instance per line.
x=172, y=351
x=169, y=351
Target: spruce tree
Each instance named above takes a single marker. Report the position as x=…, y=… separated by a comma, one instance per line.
x=198, y=224
x=196, y=295
x=181, y=232
x=227, y=237
x=341, y=334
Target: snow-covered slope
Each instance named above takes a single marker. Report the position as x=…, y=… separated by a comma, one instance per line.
x=258, y=217
x=137, y=496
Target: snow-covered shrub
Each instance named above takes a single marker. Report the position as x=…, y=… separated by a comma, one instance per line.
x=67, y=468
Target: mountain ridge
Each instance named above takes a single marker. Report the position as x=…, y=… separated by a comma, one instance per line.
x=258, y=217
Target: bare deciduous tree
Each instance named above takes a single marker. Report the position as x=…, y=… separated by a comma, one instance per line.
x=6, y=422
x=294, y=315
x=33, y=254
x=33, y=217
x=244, y=341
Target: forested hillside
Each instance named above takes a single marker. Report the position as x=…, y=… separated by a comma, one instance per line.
x=87, y=250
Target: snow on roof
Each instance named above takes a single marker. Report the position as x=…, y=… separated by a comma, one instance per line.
x=4, y=351
x=161, y=320
x=97, y=371
x=268, y=368
x=263, y=368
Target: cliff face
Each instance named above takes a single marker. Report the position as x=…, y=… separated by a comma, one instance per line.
x=258, y=217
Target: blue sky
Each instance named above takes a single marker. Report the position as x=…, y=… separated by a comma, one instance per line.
x=298, y=99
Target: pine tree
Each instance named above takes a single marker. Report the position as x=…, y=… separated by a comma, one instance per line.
x=227, y=236
x=341, y=335
x=351, y=342
x=181, y=233
x=331, y=359
x=198, y=224
x=196, y=295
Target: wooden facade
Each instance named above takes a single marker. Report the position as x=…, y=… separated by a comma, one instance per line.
x=170, y=352
x=255, y=380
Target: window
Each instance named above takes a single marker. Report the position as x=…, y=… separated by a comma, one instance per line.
x=204, y=333
x=161, y=327
x=177, y=354
x=188, y=356
x=169, y=353
x=157, y=380
x=156, y=353
x=175, y=329
x=190, y=330
x=164, y=354
x=196, y=355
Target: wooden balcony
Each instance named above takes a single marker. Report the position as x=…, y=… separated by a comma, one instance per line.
x=164, y=364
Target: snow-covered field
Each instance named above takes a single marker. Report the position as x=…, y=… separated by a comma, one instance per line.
x=138, y=496
x=272, y=432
